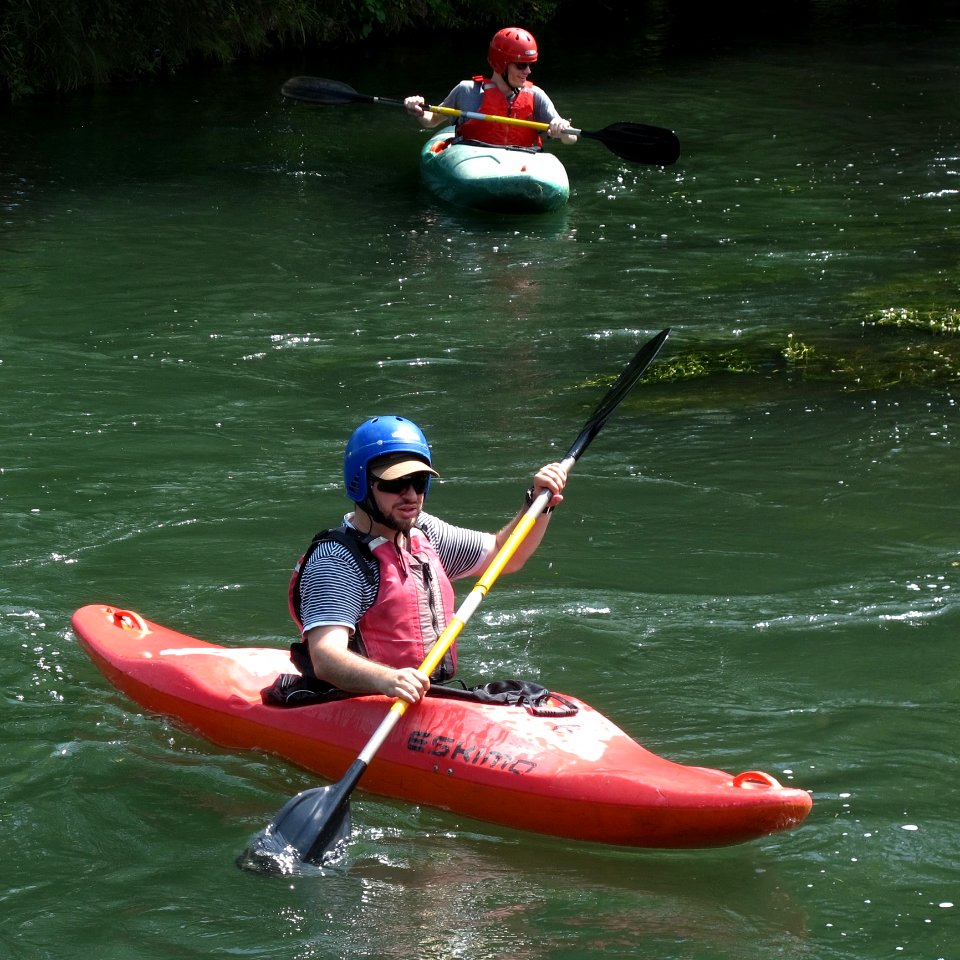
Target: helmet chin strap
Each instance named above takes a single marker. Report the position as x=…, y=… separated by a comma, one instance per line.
x=372, y=510
x=516, y=90
x=503, y=76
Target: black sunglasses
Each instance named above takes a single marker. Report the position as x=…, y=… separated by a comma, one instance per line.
x=530, y=63
x=418, y=481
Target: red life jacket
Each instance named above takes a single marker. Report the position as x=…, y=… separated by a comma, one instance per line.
x=415, y=600
x=503, y=134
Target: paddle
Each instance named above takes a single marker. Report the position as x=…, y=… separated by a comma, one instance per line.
x=637, y=142
x=314, y=825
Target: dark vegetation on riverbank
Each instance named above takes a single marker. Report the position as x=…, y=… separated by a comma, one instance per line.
x=49, y=48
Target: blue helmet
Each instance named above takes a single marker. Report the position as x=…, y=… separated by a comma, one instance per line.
x=375, y=438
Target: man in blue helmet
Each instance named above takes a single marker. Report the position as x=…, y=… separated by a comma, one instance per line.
x=372, y=595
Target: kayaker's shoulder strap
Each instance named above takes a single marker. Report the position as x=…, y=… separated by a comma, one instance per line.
x=356, y=542
x=353, y=541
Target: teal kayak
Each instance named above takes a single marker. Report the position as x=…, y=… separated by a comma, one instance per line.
x=505, y=179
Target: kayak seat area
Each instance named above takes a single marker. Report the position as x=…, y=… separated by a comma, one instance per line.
x=499, y=146
x=295, y=690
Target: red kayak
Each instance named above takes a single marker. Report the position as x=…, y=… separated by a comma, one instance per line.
x=563, y=770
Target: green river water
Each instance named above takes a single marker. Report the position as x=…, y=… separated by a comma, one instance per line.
x=203, y=289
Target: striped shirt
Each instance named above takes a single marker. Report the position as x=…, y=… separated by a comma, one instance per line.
x=335, y=591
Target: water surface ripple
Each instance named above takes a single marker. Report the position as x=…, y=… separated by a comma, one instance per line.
x=202, y=289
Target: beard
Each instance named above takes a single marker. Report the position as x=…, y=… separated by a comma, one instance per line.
x=401, y=524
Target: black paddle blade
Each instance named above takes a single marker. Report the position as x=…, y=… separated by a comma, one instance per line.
x=639, y=142
x=313, y=827
x=329, y=93
x=627, y=380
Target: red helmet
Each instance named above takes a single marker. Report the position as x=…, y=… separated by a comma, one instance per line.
x=511, y=45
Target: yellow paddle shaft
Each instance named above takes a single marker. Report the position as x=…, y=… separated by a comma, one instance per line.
x=493, y=118
x=480, y=589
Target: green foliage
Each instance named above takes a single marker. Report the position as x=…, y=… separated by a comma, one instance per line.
x=933, y=321
x=889, y=355
x=796, y=350
x=77, y=42
x=56, y=46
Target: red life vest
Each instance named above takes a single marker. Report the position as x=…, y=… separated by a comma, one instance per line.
x=415, y=600
x=503, y=134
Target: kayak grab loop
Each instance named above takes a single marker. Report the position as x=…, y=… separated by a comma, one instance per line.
x=128, y=620
x=564, y=707
x=756, y=778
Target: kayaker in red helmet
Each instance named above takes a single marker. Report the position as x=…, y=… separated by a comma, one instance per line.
x=372, y=595
x=508, y=92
